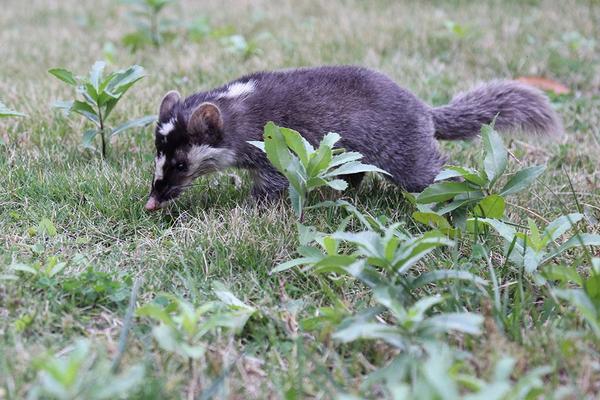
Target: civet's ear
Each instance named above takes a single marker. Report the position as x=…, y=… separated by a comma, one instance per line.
x=167, y=104
x=206, y=123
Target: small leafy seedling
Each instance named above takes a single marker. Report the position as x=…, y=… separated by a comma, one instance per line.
x=439, y=373
x=377, y=248
x=533, y=249
x=151, y=28
x=456, y=30
x=100, y=94
x=307, y=168
x=585, y=299
x=238, y=44
x=478, y=193
x=409, y=326
x=91, y=287
x=83, y=373
x=45, y=274
x=183, y=327
x=381, y=258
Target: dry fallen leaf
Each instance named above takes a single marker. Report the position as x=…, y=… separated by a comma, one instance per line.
x=544, y=84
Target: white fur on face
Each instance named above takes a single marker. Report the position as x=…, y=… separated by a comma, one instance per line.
x=239, y=89
x=160, y=165
x=204, y=159
x=167, y=127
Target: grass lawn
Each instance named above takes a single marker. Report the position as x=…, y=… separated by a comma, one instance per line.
x=61, y=203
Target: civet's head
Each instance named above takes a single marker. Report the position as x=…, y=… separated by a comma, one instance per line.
x=187, y=146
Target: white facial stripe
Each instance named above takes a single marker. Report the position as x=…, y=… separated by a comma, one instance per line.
x=204, y=159
x=167, y=127
x=239, y=89
x=160, y=165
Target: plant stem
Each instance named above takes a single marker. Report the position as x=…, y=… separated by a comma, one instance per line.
x=192, y=388
x=126, y=326
x=102, y=133
x=154, y=29
x=103, y=143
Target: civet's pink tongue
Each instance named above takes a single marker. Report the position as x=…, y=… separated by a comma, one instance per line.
x=152, y=204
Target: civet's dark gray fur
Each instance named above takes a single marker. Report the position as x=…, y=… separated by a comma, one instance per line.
x=390, y=126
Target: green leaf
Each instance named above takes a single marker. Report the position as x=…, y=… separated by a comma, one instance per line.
x=418, y=310
x=592, y=289
x=96, y=74
x=369, y=330
x=276, y=148
x=496, y=156
x=136, y=40
x=505, y=230
x=7, y=112
x=56, y=268
x=330, y=139
x=583, y=304
x=581, y=239
x=334, y=263
x=90, y=92
x=228, y=298
x=392, y=297
x=354, y=167
x=366, y=274
x=443, y=191
x=534, y=235
x=136, y=123
x=460, y=203
x=522, y=179
x=23, y=268
x=109, y=105
x=344, y=157
x=468, y=174
x=85, y=110
x=562, y=224
x=64, y=75
x=315, y=182
x=124, y=79
x=297, y=200
x=461, y=322
x=446, y=274
x=121, y=384
x=320, y=160
x=297, y=143
x=490, y=207
x=88, y=139
x=156, y=312
x=390, y=242
x=293, y=263
x=330, y=245
x=532, y=259
x=46, y=226
x=431, y=219
x=562, y=273
x=366, y=240
x=338, y=184
x=105, y=97
x=63, y=105
x=167, y=339
x=414, y=250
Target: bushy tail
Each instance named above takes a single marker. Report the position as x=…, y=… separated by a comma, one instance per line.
x=515, y=106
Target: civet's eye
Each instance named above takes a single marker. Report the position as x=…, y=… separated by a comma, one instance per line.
x=180, y=166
